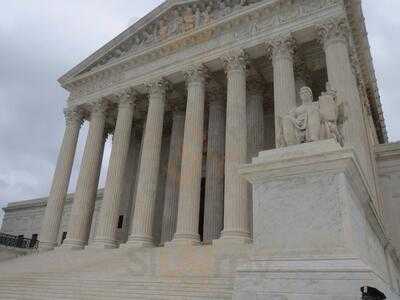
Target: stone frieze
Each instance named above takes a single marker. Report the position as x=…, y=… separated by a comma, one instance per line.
x=241, y=27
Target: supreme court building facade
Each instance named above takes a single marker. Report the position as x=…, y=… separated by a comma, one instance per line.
x=252, y=124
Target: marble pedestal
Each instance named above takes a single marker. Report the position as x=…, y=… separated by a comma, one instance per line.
x=316, y=234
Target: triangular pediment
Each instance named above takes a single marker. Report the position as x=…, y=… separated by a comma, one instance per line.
x=170, y=19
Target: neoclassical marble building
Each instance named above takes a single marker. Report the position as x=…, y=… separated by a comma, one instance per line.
x=216, y=144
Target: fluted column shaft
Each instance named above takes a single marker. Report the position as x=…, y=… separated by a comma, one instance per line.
x=142, y=221
x=131, y=175
x=135, y=185
x=334, y=37
x=344, y=71
x=255, y=128
x=236, y=205
x=187, y=227
x=85, y=195
x=109, y=212
x=214, y=193
x=255, y=115
x=173, y=178
x=55, y=204
x=282, y=50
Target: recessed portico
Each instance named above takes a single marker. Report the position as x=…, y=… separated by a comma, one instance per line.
x=207, y=100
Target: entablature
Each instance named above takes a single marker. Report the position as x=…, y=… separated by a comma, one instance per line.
x=248, y=29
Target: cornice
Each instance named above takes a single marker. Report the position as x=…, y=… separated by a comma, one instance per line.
x=41, y=202
x=360, y=37
x=387, y=151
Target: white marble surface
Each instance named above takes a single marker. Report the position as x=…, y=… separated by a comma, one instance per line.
x=315, y=233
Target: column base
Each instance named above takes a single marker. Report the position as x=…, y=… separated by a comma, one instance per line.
x=184, y=239
x=233, y=237
x=47, y=246
x=73, y=245
x=139, y=241
x=103, y=244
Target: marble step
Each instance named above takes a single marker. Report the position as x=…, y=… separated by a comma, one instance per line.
x=40, y=286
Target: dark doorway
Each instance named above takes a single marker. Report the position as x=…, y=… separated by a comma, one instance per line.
x=33, y=240
x=120, y=221
x=64, y=236
x=20, y=239
x=201, y=213
x=370, y=293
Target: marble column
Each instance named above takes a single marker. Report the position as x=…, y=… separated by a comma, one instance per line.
x=301, y=78
x=86, y=191
x=344, y=76
x=334, y=37
x=282, y=51
x=236, y=205
x=173, y=177
x=187, y=227
x=146, y=193
x=255, y=125
x=55, y=204
x=161, y=183
x=215, y=172
x=135, y=184
x=131, y=175
x=110, y=206
x=255, y=114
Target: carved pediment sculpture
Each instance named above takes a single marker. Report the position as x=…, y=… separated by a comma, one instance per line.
x=177, y=20
x=313, y=120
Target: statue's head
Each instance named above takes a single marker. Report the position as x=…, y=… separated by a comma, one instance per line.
x=306, y=95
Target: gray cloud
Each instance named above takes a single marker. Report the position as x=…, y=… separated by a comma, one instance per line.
x=384, y=35
x=41, y=39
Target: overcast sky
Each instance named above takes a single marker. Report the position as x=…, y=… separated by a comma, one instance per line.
x=42, y=39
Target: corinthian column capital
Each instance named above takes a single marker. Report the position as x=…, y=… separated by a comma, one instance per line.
x=196, y=74
x=158, y=87
x=333, y=30
x=72, y=116
x=236, y=60
x=127, y=98
x=97, y=108
x=283, y=46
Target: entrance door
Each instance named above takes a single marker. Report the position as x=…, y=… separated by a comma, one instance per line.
x=201, y=213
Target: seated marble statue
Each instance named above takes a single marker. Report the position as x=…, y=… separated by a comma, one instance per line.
x=313, y=120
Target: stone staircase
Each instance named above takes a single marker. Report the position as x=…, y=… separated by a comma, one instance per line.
x=87, y=286
x=125, y=273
